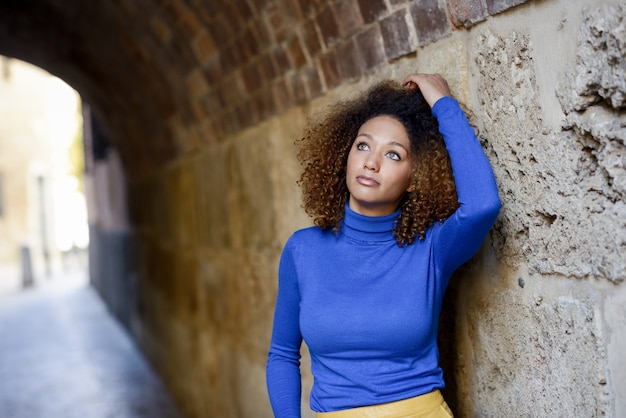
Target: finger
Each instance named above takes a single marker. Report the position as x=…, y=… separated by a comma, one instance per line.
x=411, y=80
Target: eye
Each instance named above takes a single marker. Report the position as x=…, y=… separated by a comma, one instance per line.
x=393, y=155
x=362, y=146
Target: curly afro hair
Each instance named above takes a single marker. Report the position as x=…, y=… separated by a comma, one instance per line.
x=329, y=136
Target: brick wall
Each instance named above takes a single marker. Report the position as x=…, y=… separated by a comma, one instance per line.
x=192, y=72
x=257, y=58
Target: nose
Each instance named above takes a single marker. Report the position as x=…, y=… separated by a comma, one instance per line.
x=371, y=163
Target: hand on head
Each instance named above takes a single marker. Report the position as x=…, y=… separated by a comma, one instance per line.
x=432, y=86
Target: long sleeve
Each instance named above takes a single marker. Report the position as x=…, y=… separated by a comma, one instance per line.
x=283, y=364
x=461, y=235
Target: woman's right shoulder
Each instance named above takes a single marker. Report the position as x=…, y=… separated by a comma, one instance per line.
x=306, y=237
x=307, y=233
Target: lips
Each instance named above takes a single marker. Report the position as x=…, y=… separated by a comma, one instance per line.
x=366, y=181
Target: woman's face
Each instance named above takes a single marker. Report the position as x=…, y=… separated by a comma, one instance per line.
x=379, y=168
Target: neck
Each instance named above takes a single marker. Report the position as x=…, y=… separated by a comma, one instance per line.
x=368, y=228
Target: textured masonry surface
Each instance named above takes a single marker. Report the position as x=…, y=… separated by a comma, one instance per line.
x=563, y=191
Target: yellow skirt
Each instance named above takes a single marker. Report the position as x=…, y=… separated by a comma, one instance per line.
x=430, y=405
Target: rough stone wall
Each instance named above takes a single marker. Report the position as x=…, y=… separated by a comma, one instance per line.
x=535, y=327
x=574, y=178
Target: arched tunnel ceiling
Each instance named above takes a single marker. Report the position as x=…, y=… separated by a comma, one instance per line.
x=106, y=51
x=166, y=77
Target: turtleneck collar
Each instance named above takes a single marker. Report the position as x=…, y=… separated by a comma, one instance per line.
x=368, y=228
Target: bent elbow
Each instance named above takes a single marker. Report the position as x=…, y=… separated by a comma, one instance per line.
x=481, y=212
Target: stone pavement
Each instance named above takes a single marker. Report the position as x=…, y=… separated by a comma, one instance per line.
x=63, y=356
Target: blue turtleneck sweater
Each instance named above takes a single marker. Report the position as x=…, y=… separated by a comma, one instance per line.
x=367, y=308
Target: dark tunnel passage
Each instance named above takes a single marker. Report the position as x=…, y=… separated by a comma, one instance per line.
x=105, y=52
x=58, y=347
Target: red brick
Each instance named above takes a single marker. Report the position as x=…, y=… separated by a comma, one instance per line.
x=243, y=115
x=190, y=23
x=497, y=6
x=370, y=44
x=312, y=81
x=371, y=10
x=328, y=66
x=243, y=10
x=227, y=95
x=431, y=21
x=259, y=28
x=294, y=49
x=185, y=55
x=310, y=38
x=173, y=9
x=251, y=77
x=351, y=64
x=232, y=18
x=227, y=60
x=204, y=47
x=298, y=88
x=281, y=95
x=196, y=84
x=204, y=11
x=267, y=107
x=464, y=13
x=266, y=66
x=250, y=42
x=281, y=61
x=292, y=9
x=238, y=52
x=308, y=7
x=210, y=103
x=396, y=35
x=220, y=30
x=329, y=29
x=257, y=4
x=213, y=70
x=277, y=23
x=348, y=13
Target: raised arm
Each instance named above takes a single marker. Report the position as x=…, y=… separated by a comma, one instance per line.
x=461, y=235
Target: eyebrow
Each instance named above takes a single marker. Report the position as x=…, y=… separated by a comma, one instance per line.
x=365, y=134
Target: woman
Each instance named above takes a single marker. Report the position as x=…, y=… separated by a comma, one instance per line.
x=401, y=194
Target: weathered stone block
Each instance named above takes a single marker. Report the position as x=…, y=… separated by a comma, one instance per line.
x=525, y=366
x=467, y=12
x=329, y=28
x=329, y=67
x=348, y=14
x=310, y=38
x=430, y=20
x=296, y=53
x=370, y=44
x=498, y=6
x=350, y=64
x=372, y=9
x=396, y=36
x=557, y=213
